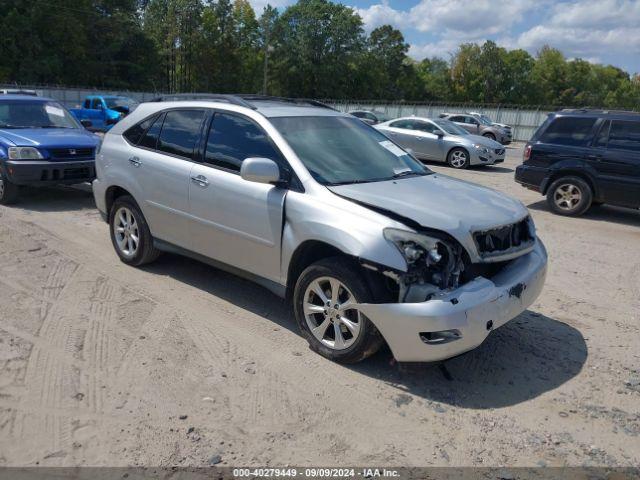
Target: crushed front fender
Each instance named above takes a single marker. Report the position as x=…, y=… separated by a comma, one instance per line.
x=460, y=320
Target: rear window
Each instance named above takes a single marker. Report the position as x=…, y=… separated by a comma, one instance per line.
x=571, y=131
x=624, y=135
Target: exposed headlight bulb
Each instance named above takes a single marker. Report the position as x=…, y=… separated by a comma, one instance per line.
x=434, y=256
x=411, y=253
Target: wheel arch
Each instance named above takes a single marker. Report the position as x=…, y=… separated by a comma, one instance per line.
x=112, y=194
x=581, y=174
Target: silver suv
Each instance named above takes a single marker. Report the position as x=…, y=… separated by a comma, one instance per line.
x=368, y=244
x=480, y=126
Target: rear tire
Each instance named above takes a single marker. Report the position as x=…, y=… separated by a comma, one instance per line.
x=569, y=196
x=8, y=191
x=130, y=234
x=458, y=158
x=340, y=334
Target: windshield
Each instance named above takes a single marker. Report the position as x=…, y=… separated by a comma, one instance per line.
x=342, y=150
x=485, y=120
x=23, y=114
x=450, y=127
x=113, y=102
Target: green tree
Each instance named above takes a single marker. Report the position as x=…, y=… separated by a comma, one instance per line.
x=317, y=50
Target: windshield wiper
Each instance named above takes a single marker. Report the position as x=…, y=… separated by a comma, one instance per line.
x=50, y=126
x=7, y=125
x=409, y=173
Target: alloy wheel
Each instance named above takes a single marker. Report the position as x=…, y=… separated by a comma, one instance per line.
x=126, y=232
x=329, y=311
x=458, y=158
x=567, y=196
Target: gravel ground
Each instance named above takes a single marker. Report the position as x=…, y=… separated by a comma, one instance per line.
x=178, y=363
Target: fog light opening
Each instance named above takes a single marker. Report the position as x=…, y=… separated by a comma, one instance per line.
x=443, y=336
x=489, y=324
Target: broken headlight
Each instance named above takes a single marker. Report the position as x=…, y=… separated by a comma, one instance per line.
x=414, y=246
x=430, y=260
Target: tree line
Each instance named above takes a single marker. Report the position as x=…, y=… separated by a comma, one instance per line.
x=312, y=49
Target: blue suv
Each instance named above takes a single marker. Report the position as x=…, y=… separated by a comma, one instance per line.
x=41, y=143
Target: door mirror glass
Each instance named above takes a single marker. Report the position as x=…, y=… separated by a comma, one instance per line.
x=260, y=170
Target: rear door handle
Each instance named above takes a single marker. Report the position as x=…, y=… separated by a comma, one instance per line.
x=135, y=161
x=200, y=180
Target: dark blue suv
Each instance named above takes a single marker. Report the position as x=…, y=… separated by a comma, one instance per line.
x=41, y=143
x=579, y=158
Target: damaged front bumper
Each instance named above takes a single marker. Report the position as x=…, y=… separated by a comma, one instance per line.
x=461, y=319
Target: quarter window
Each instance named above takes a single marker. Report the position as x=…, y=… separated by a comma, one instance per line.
x=134, y=133
x=233, y=138
x=571, y=131
x=624, y=135
x=180, y=132
x=150, y=139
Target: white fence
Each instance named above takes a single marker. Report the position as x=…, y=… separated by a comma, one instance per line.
x=524, y=120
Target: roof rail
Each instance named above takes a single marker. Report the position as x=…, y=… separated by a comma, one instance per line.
x=218, y=97
x=268, y=98
x=599, y=110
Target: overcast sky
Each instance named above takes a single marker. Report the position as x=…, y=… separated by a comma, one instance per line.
x=604, y=31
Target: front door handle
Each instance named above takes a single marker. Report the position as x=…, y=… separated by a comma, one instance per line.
x=597, y=158
x=135, y=161
x=200, y=180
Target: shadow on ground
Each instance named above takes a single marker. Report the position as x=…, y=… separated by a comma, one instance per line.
x=56, y=199
x=474, y=168
x=525, y=358
x=601, y=213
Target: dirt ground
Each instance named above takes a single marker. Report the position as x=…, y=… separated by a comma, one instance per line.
x=172, y=364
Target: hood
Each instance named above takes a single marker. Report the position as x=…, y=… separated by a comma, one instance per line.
x=484, y=141
x=48, y=137
x=439, y=202
x=501, y=125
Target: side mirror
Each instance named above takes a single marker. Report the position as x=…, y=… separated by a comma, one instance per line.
x=86, y=123
x=111, y=121
x=439, y=133
x=260, y=170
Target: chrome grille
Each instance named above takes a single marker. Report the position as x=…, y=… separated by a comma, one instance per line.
x=499, y=151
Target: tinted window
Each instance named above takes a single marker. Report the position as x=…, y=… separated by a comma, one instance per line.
x=150, y=139
x=603, y=134
x=87, y=104
x=424, y=127
x=358, y=114
x=96, y=104
x=233, y=138
x=568, y=131
x=407, y=124
x=457, y=119
x=134, y=133
x=180, y=132
x=625, y=135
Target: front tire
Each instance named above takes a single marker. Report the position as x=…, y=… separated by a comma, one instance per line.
x=458, y=158
x=490, y=136
x=130, y=234
x=8, y=191
x=569, y=196
x=323, y=293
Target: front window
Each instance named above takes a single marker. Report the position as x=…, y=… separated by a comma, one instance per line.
x=485, y=120
x=342, y=150
x=450, y=127
x=23, y=114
